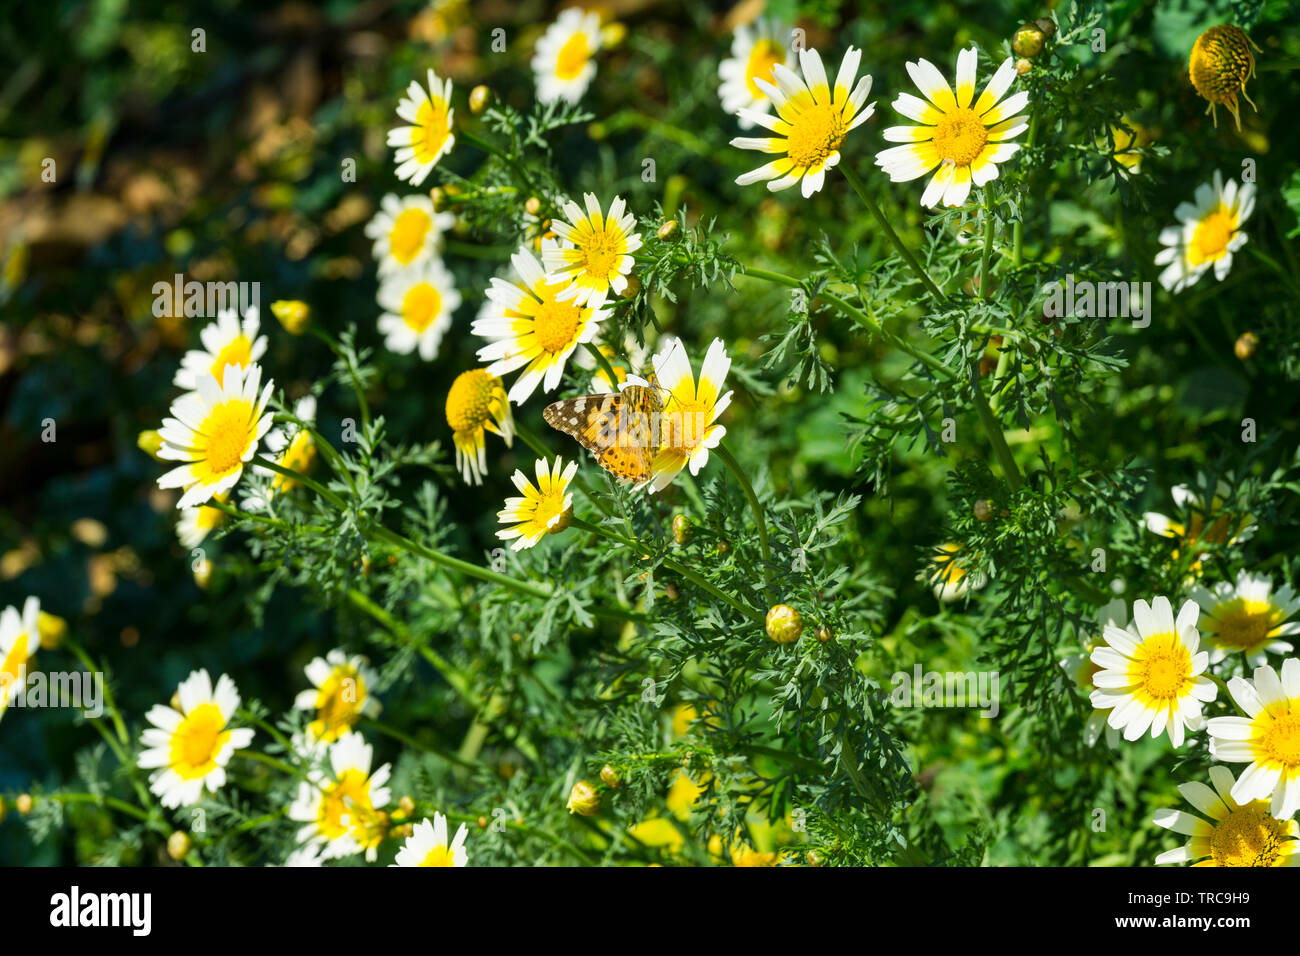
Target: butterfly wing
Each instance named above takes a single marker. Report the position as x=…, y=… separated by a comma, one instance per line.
x=621, y=429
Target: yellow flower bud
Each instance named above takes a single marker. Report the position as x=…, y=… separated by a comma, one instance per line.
x=439, y=197
x=825, y=635
x=178, y=845
x=24, y=804
x=1028, y=40
x=784, y=624
x=668, y=229
x=983, y=510
x=532, y=206
x=682, y=529
x=612, y=34
x=150, y=442
x=1023, y=66
x=583, y=799
x=609, y=777
x=632, y=288
x=294, y=315
x=52, y=629
x=1246, y=344
x=480, y=98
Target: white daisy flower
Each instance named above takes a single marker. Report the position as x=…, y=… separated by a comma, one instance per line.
x=226, y=341
x=1208, y=233
x=538, y=510
x=340, y=694
x=214, y=431
x=340, y=809
x=755, y=51
x=19, y=639
x=564, y=59
x=528, y=324
x=429, y=137
x=964, y=137
x=407, y=232
x=1152, y=674
x=952, y=578
x=597, y=252
x=428, y=845
x=1267, y=738
x=1247, y=618
x=188, y=749
x=418, y=304
x=1231, y=833
x=304, y=856
x=195, y=524
x=811, y=122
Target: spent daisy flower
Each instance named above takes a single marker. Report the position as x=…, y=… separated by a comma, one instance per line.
x=812, y=119
x=339, y=696
x=597, y=252
x=407, y=232
x=1219, y=66
x=227, y=341
x=688, y=422
x=952, y=577
x=195, y=524
x=418, y=304
x=342, y=811
x=526, y=324
x=755, y=51
x=19, y=639
x=1152, y=675
x=1208, y=233
x=1212, y=524
x=964, y=137
x=214, y=431
x=543, y=509
x=1229, y=832
x=428, y=845
x=1081, y=669
x=564, y=59
x=1267, y=738
x=428, y=137
x=1247, y=618
x=477, y=403
x=190, y=744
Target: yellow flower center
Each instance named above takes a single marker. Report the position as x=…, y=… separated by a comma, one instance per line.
x=684, y=425
x=345, y=805
x=763, y=56
x=1277, y=735
x=430, y=130
x=438, y=856
x=1248, y=837
x=471, y=399
x=238, y=352
x=408, y=234
x=1213, y=233
x=815, y=134
x=338, y=703
x=1242, y=624
x=555, y=323
x=573, y=57
x=420, y=306
x=14, y=664
x=197, y=740
x=601, y=252
x=1221, y=63
x=960, y=136
x=224, y=436
x=1162, y=671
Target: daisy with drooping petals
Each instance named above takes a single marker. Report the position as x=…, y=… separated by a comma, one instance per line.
x=214, y=431
x=597, y=252
x=1235, y=833
x=429, y=137
x=195, y=524
x=1219, y=67
x=952, y=576
x=407, y=232
x=19, y=639
x=528, y=325
x=477, y=403
x=189, y=746
x=340, y=695
x=564, y=60
x=754, y=52
x=966, y=138
x=811, y=122
x=343, y=810
x=543, y=509
x=226, y=341
x=1208, y=233
x=1268, y=737
x=1081, y=669
x=417, y=304
x=1152, y=674
x=1247, y=618
x=428, y=845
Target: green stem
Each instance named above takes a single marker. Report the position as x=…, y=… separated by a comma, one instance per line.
x=906, y=253
x=988, y=241
x=100, y=800
x=269, y=761
x=993, y=428
x=730, y=461
x=109, y=704
x=303, y=480
x=410, y=741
